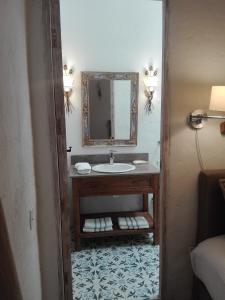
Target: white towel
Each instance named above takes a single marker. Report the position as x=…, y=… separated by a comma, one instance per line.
x=134, y=223
x=89, y=223
x=83, y=167
x=102, y=224
x=129, y=223
x=88, y=230
x=108, y=228
x=141, y=221
x=97, y=230
x=98, y=224
x=122, y=221
x=143, y=226
x=125, y=223
x=123, y=227
x=108, y=222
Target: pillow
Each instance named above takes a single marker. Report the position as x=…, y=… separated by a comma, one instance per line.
x=208, y=263
x=222, y=186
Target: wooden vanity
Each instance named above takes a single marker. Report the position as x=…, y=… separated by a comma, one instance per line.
x=143, y=180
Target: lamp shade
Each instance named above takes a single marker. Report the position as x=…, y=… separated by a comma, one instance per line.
x=217, y=101
x=68, y=82
x=150, y=81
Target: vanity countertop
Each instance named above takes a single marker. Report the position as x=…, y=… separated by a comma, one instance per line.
x=140, y=169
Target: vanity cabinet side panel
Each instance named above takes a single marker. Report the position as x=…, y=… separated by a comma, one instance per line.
x=156, y=209
x=76, y=212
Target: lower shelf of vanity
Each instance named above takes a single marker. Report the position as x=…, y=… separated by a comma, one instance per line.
x=116, y=230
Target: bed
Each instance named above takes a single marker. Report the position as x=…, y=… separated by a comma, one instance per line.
x=208, y=258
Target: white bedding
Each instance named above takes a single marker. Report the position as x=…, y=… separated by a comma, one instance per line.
x=208, y=263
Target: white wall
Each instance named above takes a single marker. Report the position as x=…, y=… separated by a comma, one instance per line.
x=17, y=179
x=125, y=36
x=196, y=60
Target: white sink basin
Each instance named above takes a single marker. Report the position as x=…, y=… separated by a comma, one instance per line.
x=113, y=168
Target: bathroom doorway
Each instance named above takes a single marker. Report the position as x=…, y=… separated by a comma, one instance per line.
x=125, y=266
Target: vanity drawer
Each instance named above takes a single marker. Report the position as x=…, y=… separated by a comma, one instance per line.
x=116, y=185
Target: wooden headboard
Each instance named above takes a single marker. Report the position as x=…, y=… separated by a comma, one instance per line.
x=211, y=206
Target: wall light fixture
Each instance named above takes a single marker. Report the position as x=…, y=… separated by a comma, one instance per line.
x=150, y=82
x=68, y=88
x=217, y=103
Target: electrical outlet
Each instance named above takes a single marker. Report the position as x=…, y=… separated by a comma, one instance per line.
x=31, y=218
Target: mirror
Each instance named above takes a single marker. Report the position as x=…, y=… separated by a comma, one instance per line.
x=110, y=103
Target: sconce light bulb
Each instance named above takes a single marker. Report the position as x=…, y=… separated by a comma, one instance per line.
x=150, y=82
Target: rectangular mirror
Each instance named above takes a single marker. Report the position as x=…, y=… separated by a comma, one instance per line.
x=110, y=107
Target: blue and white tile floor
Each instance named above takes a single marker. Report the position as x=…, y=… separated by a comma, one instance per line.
x=116, y=268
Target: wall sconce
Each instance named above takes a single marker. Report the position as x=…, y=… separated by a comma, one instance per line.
x=68, y=86
x=150, y=82
x=217, y=103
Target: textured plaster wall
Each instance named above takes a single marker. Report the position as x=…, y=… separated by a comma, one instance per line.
x=45, y=160
x=17, y=180
x=196, y=60
x=117, y=36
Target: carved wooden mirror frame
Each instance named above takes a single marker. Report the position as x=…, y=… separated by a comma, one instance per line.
x=134, y=78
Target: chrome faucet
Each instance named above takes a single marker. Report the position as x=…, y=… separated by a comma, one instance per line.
x=111, y=156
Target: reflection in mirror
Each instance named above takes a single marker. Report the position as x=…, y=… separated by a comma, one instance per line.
x=100, y=109
x=121, y=92
x=110, y=102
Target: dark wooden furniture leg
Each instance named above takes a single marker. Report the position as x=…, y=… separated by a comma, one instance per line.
x=76, y=210
x=145, y=202
x=156, y=237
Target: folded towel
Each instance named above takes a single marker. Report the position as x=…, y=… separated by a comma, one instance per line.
x=108, y=228
x=98, y=224
x=123, y=227
x=89, y=223
x=108, y=222
x=83, y=168
x=88, y=230
x=97, y=230
x=134, y=223
x=102, y=224
x=129, y=223
x=143, y=226
x=141, y=221
x=122, y=221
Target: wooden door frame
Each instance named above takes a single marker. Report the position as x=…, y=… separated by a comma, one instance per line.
x=56, y=83
x=57, y=121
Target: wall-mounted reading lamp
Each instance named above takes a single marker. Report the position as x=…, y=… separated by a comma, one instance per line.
x=150, y=82
x=68, y=88
x=217, y=103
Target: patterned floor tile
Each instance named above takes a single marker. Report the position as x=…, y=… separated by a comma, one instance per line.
x=116, y=268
